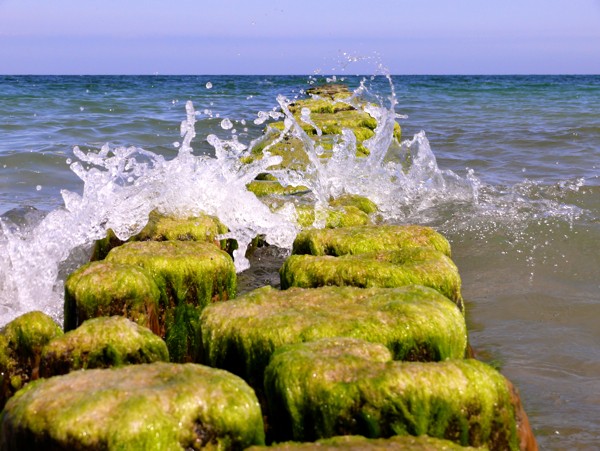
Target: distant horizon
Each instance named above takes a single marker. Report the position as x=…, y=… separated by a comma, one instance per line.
x=308, y=75
x=428, y=37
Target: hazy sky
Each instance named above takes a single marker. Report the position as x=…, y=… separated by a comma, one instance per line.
x=298, y=37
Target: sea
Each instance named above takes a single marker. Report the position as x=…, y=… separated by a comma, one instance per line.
x=506, y=167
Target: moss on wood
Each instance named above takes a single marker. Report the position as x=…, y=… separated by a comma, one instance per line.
x=105, y=289
x=360, y=443
x=156, y=406
x=190, y=275
x=415, y=323
x=384, y=269
x=21, y=344
x=322, y=389
x=102, y=343
x=169, y=228
x=363, y=239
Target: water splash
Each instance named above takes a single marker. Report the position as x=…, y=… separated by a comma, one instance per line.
x=403, y=179
x=121, y=187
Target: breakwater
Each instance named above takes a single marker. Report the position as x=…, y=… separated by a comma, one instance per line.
x=412, y=255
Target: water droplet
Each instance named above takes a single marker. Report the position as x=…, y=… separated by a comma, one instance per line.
x=176, y=144
x=81, y=108
x=208, y=85
x=69, y=161
x=38, y=188
x=262, y=117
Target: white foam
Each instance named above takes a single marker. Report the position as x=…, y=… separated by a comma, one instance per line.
x=121, y=187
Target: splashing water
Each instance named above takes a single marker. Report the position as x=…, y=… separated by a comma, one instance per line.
x=401, y=178
x=123, y=185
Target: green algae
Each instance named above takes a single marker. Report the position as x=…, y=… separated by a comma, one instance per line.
x=364, y=204
x=360, y=443
x=106, y=289
x=364, y=239
x=343, y=216
x=189, y=275
x=193, y=272
x=103, y=246
x=169, y=228
x=385, y=269
x=21, y=344
x=157, y=406
x=263, y=188
x=193, y=228
x=415, y=323
x=321, y=389
x=102, y=343
x=330, y=90
x=331, y=114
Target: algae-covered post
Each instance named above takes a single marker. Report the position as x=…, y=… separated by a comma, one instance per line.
x=384, y=269
x=190, y=275
x=336, y=386
x=368, y=335
x=151, y=407
x=21, y=343
x=102, y=343
x=415, y=323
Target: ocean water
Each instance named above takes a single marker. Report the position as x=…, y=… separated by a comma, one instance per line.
x=507, y=167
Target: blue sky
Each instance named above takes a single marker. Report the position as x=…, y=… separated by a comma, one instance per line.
x=298, y=37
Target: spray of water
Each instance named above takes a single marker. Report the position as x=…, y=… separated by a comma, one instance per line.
x=123, y=185
x=401, y=178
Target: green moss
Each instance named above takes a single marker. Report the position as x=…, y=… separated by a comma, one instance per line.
x=385, y=269
x=156, y=406
x=415, y=323
x=21, y=344
x=102, y=343
x=345, y=216
x=169, y=228
x=331, y=116
x=352, y=200
x=103, y=246
x=397, y=132
x=319, y=389
x=350, y=119
x=190, y=275
x=330, y=90
x=323, y=105
x=106, y=289
x=359, y=443
x=184, y=271
x=193, y=228
x=264, y=188
x=364, y=239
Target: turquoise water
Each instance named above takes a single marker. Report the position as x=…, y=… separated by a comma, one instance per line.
x=513, y=181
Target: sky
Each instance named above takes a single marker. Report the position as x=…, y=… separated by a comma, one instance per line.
x=299, y=36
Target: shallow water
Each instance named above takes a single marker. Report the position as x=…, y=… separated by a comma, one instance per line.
x=512, y=179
